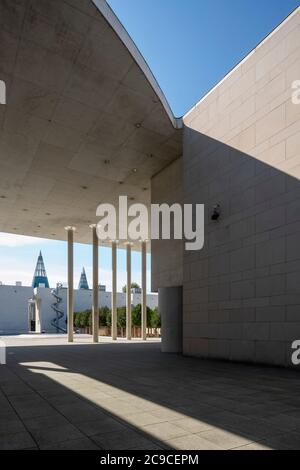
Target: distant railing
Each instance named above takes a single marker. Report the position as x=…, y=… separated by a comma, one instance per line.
x=135, y=331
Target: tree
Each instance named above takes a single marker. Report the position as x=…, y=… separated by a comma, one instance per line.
x=104, y=316
x=136, y=314
x=134, y=285
x=155, y=318
x=121, y=317
x=76, y=319
x=83, y=319
x=149, y=317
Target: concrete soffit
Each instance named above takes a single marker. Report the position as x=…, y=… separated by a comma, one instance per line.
x=119, y=29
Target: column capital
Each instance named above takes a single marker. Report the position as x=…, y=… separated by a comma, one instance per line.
x=93, y=225
x=69, y=228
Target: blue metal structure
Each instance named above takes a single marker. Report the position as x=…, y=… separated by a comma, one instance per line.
x=40, y=276
x=83, y=284
x=58, y=311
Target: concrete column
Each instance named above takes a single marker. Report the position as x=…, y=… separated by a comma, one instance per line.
x=70, y=300
x=170, y=308
x=95, y=306
x=144, y=290
x=38, y=328
x=114, y=291
x=128, y=291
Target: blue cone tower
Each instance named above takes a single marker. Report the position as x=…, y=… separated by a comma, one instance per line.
x=40, y=276
x=83, y=284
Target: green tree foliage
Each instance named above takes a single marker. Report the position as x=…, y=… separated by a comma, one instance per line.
x=155, y=318
x=136, y=313
x=134, y=285
x=84, y=319
x=121, y=317
x=104, y=316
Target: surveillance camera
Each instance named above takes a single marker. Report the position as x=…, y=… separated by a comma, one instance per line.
x=216, y=212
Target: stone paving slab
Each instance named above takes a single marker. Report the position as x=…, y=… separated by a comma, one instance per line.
x=121, y=395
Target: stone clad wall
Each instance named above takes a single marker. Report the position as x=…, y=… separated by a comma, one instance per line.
x=167, y=255
x=241, y=293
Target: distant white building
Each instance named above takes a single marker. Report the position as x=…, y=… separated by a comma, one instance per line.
x=41, y=309
x=24, y=309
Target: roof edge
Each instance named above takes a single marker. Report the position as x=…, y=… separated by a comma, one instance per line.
x=128, y=42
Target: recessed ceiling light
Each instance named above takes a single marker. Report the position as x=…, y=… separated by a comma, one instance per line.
x=134, y=170
x=138, y=125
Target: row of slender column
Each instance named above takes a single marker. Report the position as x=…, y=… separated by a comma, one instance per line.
x=95, y=305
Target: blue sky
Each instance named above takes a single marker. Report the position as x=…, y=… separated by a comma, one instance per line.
x=189, y=45
x=19, y=254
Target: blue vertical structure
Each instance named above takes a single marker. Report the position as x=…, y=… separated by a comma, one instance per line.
x=40, y=276
x=83, y=284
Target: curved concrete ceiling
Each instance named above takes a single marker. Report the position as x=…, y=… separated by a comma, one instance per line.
x=85, y=120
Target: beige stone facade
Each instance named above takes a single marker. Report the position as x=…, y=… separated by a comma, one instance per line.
x=241, y=293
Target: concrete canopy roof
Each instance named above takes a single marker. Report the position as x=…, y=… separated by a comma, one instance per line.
x=85, y=120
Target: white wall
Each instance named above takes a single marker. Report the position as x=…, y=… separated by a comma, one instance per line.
x=14, y=308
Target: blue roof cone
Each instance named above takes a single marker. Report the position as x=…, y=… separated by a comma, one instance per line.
x=40, y=275
x=83, y=284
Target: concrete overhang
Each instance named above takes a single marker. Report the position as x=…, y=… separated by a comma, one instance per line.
x=84, y=122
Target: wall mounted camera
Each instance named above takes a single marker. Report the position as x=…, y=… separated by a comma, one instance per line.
x=216, y=212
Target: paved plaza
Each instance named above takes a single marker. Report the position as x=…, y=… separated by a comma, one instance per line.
x=55, y=395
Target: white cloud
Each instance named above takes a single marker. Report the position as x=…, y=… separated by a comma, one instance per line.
x=9, y=276
x=12, y=240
